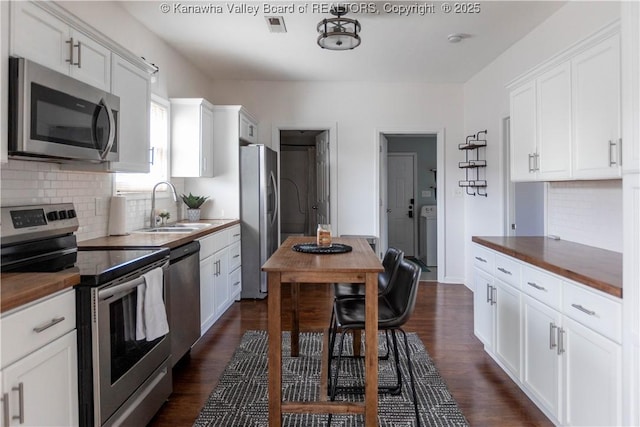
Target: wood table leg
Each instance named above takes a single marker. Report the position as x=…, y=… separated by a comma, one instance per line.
x=357, y=342
x=371, y=350
x=295, y=319
x=274, y=321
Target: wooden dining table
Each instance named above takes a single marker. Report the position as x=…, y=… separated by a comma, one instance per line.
x=286, y=265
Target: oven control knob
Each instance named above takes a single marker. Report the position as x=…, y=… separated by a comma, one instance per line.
x=52, y=216
x=71, y=213
x=62, y=214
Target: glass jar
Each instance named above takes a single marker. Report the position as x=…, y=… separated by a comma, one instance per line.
x=323, y=235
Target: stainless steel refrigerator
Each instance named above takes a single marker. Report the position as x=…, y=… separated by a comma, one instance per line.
x=258, y=215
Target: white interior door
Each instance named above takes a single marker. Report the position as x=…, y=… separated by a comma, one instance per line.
x=400, y=199
x=322, y=182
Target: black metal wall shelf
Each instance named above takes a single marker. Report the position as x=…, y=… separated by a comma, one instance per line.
x=472, y=183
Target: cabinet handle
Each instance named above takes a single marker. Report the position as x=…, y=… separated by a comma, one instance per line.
x=53, y=321
x=5, y=410
x=560, y=341
x=552, y=336
x=488, y=293
x=504, y=271
x=494, y=295
x=584, y=310
x=481, y=259
x=79, y=63
x=534, y=285
x=250, y=130
x=20, y=390
x=236, y=283
x=536, y=158
x=620, y=151
x=531, y=169
x=612, y=162
x=70, y=60
x=236, y=235
x=237, y=256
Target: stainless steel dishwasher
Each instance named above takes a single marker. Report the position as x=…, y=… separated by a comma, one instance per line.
x=184, y=299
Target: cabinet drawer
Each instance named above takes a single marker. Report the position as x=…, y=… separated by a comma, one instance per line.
x=507, y=270
x=595, y=311
x=26, y=330
x=483, y=258
x=213, y=243
x=234, y=256
x=542, y=286
x=235, y=282
x=234, y=234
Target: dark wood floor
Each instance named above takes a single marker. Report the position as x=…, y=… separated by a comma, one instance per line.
x=443, y=318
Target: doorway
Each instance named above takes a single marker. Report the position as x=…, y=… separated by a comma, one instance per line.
x=304, y=181
x=409, y=197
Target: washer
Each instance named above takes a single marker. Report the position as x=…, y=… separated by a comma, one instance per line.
x=429, y=235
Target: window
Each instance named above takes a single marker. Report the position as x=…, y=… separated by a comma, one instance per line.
x=159, y=155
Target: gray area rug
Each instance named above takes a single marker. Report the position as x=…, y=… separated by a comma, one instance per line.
x=240, y=399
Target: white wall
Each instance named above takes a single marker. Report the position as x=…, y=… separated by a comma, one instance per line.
x=487, y=101
x=38, y=182
x=360, y=111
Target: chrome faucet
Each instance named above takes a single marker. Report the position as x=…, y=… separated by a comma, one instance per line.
x=152, y=218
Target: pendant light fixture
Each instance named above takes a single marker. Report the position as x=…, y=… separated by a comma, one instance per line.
x=338, y=33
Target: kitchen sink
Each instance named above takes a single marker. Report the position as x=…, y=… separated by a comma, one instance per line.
x=179, y=227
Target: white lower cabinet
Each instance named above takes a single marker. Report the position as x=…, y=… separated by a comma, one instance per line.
x=592, y=379
x=220, y=281
x=542, y=364
x=42, y=388
x=507, y=343
x=39, y=366
x=497, y=319
x=483, y=322
x=559, y=340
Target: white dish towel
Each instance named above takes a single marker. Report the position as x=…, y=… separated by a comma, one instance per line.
x=151, y=314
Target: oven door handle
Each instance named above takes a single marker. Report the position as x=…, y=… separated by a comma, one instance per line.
x=113, y=290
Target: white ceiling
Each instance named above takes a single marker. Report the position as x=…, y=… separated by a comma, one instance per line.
x=395, y=48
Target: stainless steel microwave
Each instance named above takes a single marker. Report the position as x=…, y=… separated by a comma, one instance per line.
x=58, y=118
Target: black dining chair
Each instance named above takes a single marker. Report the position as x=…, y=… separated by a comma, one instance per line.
x=390, y=263
x=395, y=307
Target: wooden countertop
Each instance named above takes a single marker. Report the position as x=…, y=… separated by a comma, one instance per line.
x=598, y=268
x=157, y=240
x=17, y=289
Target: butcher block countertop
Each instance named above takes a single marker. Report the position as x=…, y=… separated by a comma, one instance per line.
x=157, y=240
x=17, y=289
x=22, y=288
x=597, y=268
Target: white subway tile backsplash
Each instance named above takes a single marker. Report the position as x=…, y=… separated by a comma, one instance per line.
x=587, y=212
x=29, y=183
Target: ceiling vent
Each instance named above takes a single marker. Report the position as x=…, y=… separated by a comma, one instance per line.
x=276, y=24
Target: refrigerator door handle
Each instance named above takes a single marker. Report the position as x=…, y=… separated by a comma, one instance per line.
x=276, y=195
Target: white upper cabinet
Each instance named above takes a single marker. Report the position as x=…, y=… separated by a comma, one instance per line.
x=554, y=123
x=41, y=37
x=133, y=86
x=630, y=51
x=191, y=137
x=596, y=111
x=523, y=133
x=565, y=114
x=541, y=127
x=248, y=128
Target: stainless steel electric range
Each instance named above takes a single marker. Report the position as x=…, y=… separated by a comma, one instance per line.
x=122, y=380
